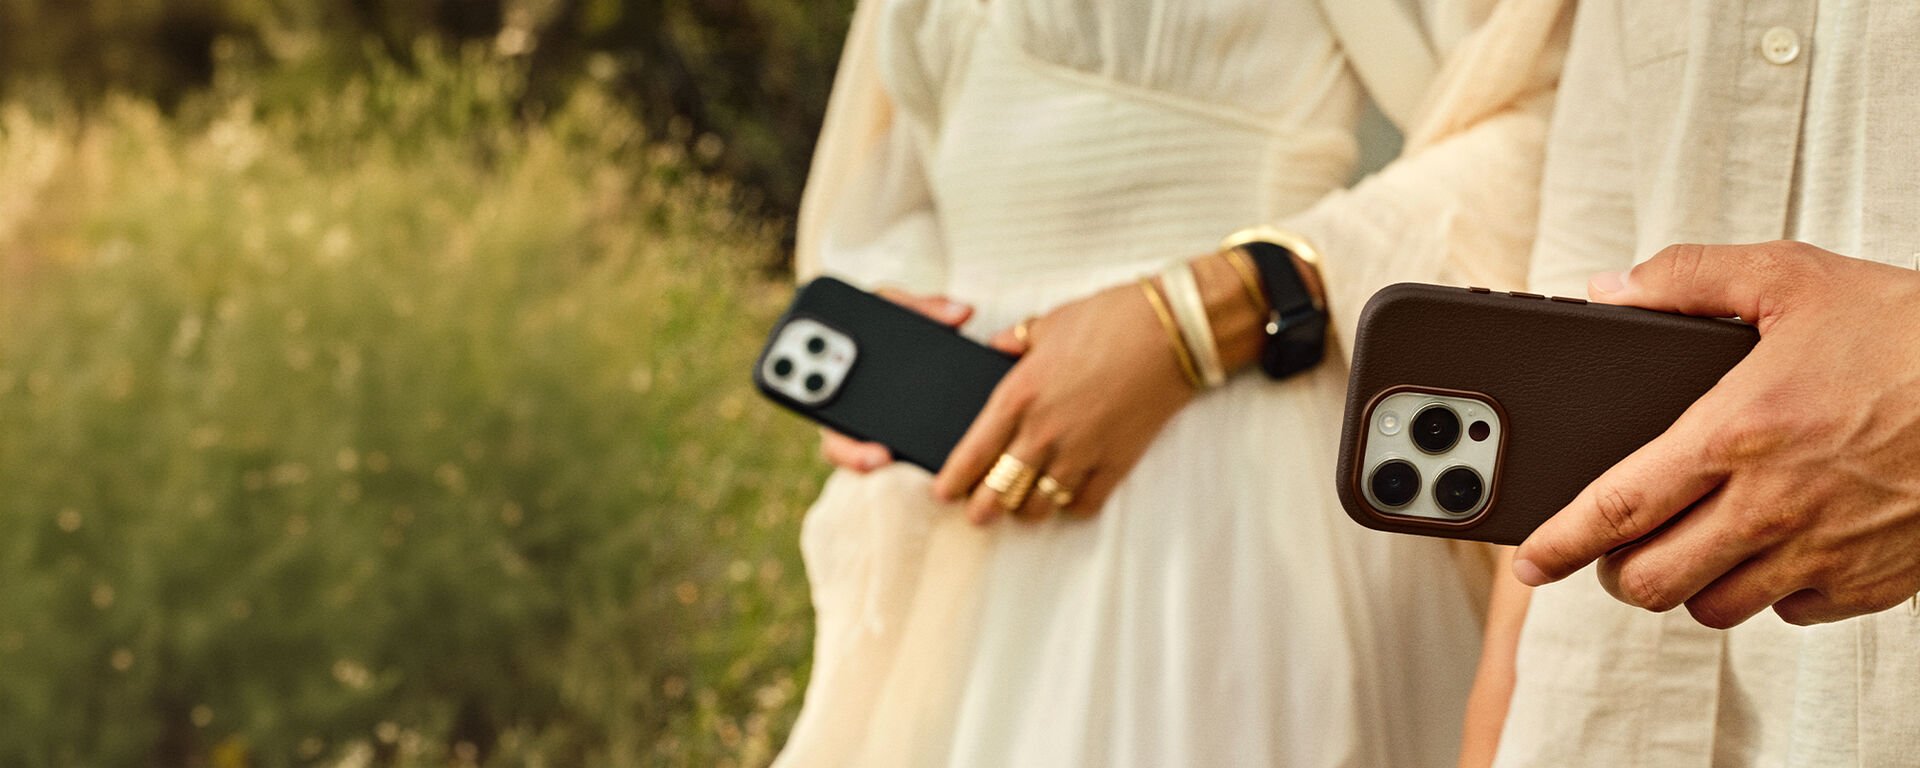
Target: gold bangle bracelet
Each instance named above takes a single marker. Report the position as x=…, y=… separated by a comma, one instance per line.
x=1180, y=352
x=1182, y=291
x=1249, y=277
x=1289, y=240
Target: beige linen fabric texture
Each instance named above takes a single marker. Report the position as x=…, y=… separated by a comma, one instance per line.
x=1017, y=154
x=1723, y=122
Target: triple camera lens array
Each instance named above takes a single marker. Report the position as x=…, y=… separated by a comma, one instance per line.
x=807, y=361
x=783, y=366
x=1435, y=430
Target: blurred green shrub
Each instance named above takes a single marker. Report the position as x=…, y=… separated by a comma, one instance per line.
x=741, y=83
x=394, y=429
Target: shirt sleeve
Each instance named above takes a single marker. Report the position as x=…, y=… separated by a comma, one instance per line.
x=867, y=215
x=1460, y=204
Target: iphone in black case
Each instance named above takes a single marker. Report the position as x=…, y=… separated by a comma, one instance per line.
x=873, y=370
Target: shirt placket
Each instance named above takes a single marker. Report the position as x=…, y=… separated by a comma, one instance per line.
x=1771, y=88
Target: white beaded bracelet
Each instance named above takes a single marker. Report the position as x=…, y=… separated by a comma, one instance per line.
x=1190, y=311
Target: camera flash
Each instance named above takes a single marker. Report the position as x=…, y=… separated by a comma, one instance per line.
x=1390, y=423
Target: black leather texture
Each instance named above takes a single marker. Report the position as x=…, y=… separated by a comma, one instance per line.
x=915, y=385
x=1580, y=385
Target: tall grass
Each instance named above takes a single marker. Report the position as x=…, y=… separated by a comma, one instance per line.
x=399, y=428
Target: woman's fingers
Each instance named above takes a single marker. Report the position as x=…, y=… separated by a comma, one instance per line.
x=975, y=457
x=1016, y=340
x=1007, y=343
x=941, y=309
x=847, y=453
x=985, y=439
x=1059, y=486
x=1093, y=493
x=986, y=504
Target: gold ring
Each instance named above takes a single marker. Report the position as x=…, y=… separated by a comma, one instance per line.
x=1012, y=479
x=1060, y=495
x=1023, y=332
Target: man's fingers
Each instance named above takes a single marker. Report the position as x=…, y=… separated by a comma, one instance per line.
x=1746, y=281
x=1631, y=500
x=848, y=453
x=1744, y=591
x=1663, y=572
x=941, y=309
x=1814, y=606
x=1808, y=607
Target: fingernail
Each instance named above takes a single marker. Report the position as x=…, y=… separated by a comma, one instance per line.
x=874, y=459
x=1608, y=282
x=1529, y=574
x=951, y=310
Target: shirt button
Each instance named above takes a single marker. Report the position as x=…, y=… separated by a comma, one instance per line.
x=1780, y=45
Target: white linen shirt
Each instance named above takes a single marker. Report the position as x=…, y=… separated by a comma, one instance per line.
x=1723, y=122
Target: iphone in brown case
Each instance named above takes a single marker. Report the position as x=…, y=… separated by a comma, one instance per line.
x=1473, y=414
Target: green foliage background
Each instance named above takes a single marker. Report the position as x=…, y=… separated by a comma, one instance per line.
x=377, y=395
x=751, y=74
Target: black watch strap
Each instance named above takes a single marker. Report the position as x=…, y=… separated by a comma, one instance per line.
x=1297, y=326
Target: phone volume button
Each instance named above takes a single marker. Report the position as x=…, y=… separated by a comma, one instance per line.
x=1524, y=295
x=1569, y=300
x=1477, y=289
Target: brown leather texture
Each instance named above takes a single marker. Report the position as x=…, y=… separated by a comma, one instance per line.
x=1580, y=386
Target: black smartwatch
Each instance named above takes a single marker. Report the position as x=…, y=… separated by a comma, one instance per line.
x=1297, y=322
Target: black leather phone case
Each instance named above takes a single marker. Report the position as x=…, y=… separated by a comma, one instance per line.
x=1580, y=386
x=915, y=385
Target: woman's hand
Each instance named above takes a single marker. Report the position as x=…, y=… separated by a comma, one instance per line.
x=1097, y=382
x=847, y=453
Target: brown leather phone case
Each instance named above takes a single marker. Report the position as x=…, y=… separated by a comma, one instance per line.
x=1579, y=386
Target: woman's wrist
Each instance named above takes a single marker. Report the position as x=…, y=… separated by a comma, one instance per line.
x=1280, y=270
x=1236, y=314
x=1163, y=310
x=1239, y=325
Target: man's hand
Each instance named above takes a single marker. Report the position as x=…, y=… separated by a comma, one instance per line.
x=1793, y=483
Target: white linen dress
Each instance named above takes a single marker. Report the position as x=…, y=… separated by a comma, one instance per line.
x=1221, y=609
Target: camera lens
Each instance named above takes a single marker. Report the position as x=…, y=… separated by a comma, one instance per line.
x=1458, y=490
x=816, y=345
x=816, y=382
x=782, y=368
x=1436, y=429
x=1395, y=483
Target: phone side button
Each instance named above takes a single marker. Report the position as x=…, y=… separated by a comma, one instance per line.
x=1524, y=295
x=1477, y=289
x=1569, y=300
